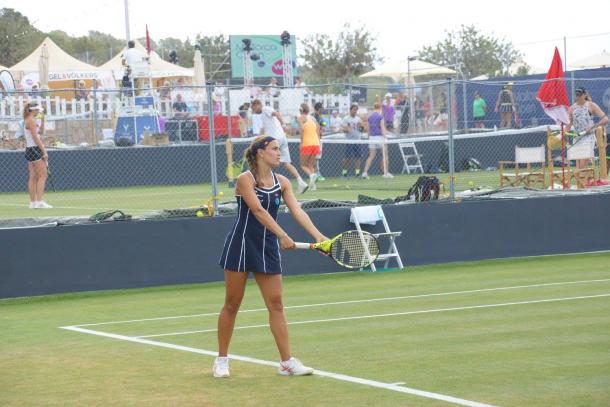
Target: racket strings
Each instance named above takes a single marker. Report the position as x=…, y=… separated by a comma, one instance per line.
x=349, y=250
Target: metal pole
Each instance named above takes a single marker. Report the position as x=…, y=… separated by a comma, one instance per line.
x=229, y=132
x=464, y=106
x=349, y=93
x=127, y=36
x=133, y=102
x=212, y=135
x=95, y=112
x=565, y=55
x=572, y=86
x=450, y=137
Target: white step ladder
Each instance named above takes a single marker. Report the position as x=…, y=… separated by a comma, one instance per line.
x=409, y=153
x=371, y=215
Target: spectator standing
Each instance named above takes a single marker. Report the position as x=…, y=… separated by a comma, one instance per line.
x=479, y=108
x=418, y=105
x=301, y=85
x=310, y=144
x=34, y=92
x=377, y=141
x=352, y=125
x=322, y=127
x=272, y=125
x=217, y=95
x=388, y=112
x=403, y=106
x=273, y=88
x=165, y=97
x=336, y=122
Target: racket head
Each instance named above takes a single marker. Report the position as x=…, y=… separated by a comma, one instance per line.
x=350, y=248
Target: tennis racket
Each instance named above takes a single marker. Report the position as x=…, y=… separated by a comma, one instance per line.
x=49, y=176
x=348, y=249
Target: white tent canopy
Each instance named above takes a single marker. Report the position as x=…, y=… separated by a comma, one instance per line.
x=159, y=68
x=3, y=68
x=402, y=69
x=62, y=66
x=601, y=60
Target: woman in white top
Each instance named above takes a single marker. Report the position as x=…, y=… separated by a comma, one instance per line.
x=581, y=119
x=35, y=154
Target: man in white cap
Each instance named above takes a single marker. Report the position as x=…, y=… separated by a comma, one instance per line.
x=388, y=112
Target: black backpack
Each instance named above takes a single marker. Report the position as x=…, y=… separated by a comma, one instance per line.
x=425, y=189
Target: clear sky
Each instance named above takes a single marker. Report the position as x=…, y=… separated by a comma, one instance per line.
x=401, y=27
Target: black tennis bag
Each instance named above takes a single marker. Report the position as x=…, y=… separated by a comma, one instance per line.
x=425, y=189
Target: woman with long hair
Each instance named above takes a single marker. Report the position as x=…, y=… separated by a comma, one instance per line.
x=253, y=246
x=35, y=154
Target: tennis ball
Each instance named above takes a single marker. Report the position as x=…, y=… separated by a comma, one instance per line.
x=199, y=214
x=335, y=185
x=221, y=193
x=471, y=184
x=347, y=187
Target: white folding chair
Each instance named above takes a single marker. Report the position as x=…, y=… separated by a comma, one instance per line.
x=584, y=150
x=371, y=215
x=530, y=157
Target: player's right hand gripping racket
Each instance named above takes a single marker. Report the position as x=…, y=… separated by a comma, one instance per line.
x=348, y=249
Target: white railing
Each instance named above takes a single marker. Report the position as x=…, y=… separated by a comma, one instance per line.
x=109, y=105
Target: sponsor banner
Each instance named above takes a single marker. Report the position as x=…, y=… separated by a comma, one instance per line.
x=269, y=50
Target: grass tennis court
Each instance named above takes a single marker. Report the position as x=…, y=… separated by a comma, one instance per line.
x=138, y=200
x=523, y=332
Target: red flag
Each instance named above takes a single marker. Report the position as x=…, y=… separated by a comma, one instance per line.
x=553, y=94
x=147, y=41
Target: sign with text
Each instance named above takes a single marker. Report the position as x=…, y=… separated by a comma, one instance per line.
x=269, y=50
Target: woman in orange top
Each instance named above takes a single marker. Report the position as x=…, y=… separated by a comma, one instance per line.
x=310, y=143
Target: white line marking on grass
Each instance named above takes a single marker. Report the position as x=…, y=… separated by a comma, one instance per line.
x=355, y=301
x=337, y=376
x=393, y=314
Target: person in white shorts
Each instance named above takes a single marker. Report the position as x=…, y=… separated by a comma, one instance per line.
x=272, y=125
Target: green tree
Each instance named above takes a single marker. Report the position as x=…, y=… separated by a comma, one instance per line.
x=18, y=38
x=351, y=54
x=473, y=52
x=216, y=56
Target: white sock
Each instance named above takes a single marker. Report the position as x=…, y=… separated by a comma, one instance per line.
x=300, y=180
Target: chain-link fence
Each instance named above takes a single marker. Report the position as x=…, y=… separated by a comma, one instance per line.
x=147, y=150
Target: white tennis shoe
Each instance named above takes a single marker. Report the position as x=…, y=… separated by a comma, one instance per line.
x=221, y=367
x=302, y=187
x=312, y=182
x=294, y=367
x=43, y=205
x=388, y=175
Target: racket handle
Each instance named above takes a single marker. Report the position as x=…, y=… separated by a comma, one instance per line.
x=306, y=246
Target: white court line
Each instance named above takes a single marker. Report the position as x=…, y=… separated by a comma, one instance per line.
x=357, y=301
x=393, y=314
x=337, y=376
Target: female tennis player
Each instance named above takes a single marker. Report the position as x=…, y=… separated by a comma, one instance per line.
x=253, y=245
x=35, y=154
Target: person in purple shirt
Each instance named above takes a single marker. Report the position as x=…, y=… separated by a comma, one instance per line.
x=388, y=112
x=377, y=138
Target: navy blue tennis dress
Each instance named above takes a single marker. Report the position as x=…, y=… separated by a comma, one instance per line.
x=249, y=246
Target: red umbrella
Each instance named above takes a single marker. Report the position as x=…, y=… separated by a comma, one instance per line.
x=553, y=96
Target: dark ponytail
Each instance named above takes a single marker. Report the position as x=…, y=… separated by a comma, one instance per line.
x=251, y=153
